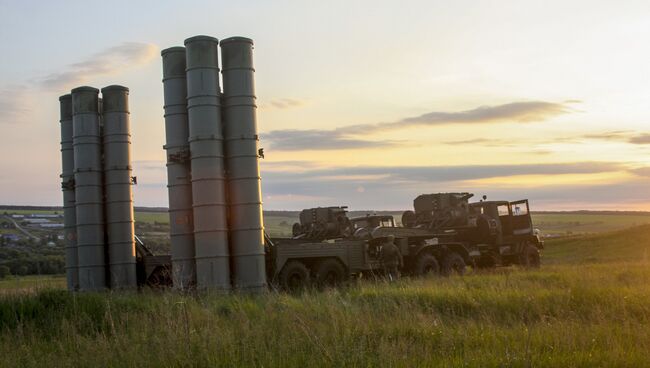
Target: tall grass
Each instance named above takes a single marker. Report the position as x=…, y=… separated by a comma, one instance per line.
x=631, y=244
x=594, y=315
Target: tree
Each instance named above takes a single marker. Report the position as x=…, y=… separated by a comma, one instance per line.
x=23, y=270
x=4, y=272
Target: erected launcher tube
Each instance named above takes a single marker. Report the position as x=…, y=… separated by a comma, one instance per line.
x=246, y=222
x=88, y=188
x=118, y=194
x=179, y=187
x=67, y=186
x=207, y=164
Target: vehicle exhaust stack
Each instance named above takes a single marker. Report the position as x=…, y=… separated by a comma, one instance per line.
x=88, y=188
x=246, y=222
x=207, y=164
x=67, y=185
x=179, y=186
x=117, y=177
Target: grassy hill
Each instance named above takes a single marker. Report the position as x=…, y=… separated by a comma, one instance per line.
x=626, y=245
x=589, y=305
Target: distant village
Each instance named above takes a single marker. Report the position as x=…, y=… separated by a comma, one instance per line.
x=45, y=228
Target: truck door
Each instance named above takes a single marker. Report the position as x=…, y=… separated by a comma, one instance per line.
x=521, y=221
x=503, y=210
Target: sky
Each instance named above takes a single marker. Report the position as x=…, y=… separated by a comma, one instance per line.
x=361, y=103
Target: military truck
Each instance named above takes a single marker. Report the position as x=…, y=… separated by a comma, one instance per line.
x=502, y=231
x=349, y=248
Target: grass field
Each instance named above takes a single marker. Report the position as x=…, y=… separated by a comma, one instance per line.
x=30, y=284
x=588, y=306
x=581, y=223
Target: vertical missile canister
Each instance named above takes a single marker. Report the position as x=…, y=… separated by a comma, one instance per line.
x=67, y=185
x=179, y=186
x=246, y=224
x=88, y=189
x=117, y=187
x=207, y=164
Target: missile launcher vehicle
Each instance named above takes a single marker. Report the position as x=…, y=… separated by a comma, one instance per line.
x=328, y=248
x=501, y=231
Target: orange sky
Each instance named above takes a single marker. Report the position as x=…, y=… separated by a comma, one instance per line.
x=366, y=104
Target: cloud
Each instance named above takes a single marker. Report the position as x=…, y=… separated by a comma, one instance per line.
x=485, y=142
x=109, y=61
x=620, y=136
x=284, y=103
x=395, y=186
x=625, y=136
x=473, y=172
x=642, y=171
x=288, y=165
x=424, y=174
x=344, y=138
x=640, y=139
x=149, y=164
x=15, y=100
x=298, y=140
x=609, y=135
x=522, y=112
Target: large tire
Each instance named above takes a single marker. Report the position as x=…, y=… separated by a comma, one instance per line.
x=294, y=276
x=453, y=263
x=530, y=257
x=160, y=278
x=426, y=265
x=330, y=273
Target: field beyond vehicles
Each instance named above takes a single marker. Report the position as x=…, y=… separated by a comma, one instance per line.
x=589, y=307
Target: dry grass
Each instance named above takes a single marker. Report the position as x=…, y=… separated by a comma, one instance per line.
x=594, y=315
x=590, y=307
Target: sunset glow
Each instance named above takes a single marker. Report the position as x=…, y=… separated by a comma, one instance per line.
x=544, y=100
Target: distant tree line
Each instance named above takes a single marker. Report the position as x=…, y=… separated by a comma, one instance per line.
x=28, y=259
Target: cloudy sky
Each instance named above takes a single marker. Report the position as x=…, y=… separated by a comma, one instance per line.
x=362, y=103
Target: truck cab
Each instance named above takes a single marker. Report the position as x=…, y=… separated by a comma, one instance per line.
x=514, y=240
x=512, y=218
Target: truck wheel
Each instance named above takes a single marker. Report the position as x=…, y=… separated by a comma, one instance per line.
x=330, y=273
x=160, y=278
x=294, y=276
x=427, y=265
x=453, y=263
x=530, y=257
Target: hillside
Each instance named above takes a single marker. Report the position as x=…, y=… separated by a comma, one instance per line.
x=629, y=245
x=589, y=305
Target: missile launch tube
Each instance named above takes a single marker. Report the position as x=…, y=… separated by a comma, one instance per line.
x=207, y=163
x=117, y=188
x=88, y=189
x=242, y=162
x=67, y=186
x=179, y=187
